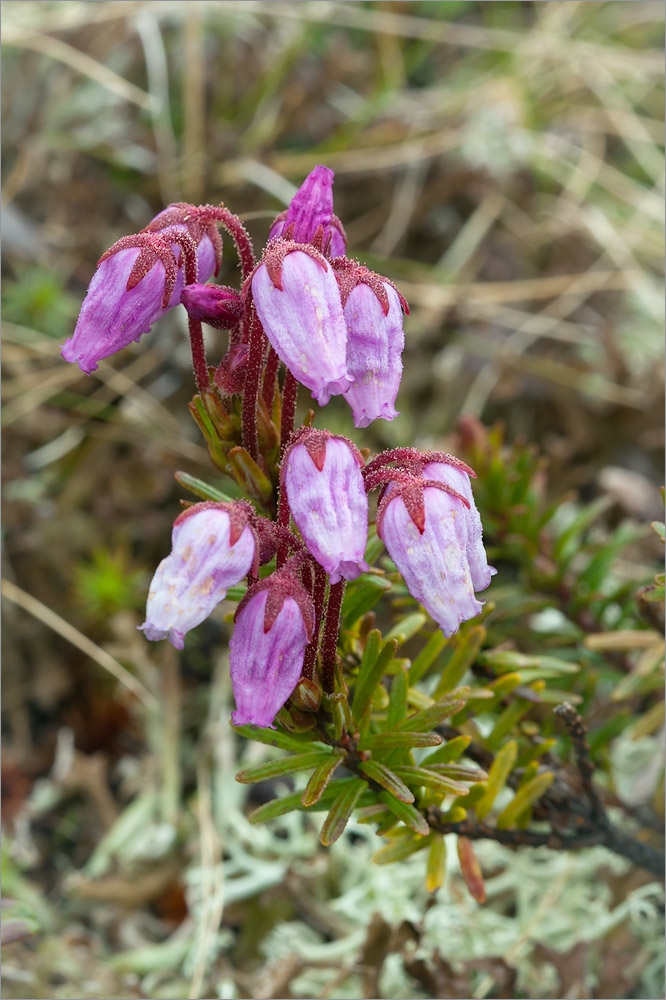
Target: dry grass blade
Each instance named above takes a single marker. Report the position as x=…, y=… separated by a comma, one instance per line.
x=84, y=64
x=53, y=621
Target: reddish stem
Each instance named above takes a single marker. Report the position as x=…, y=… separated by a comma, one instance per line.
x=190, y=267
x=270, y=378
x=289, y=395
x=319, y=596
x=199, y=362
x=331, y=632
x=251, y=388
x=284, y=515
x=238, y=233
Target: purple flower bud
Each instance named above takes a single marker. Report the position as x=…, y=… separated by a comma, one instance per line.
x=213, y=548
x=327, y=498
x=137, y=280
x=310, y=218
x=375, y=339
x=298, y=303
x=311, y=206
x=216, y=305
x=274, y=623
x=433, y=562
x=469, y=525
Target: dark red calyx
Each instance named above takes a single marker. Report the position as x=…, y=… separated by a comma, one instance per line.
x=269, y=534
x=232, y=369
x=315, y=441
x=410, y=489
x=278, y=249
x=415, y=460
x=154, y=249
x=199, y=221
x=350, y=274
x=280, y=585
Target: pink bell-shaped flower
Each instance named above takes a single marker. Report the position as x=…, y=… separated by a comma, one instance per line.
x=471, y=529
x=213, y=548
x=136, y=282
x=274, y=623
x=432, y=531
x=310, y=218
x=322, y=478
x=432, y=562
x=375, y=341
x=298, y=303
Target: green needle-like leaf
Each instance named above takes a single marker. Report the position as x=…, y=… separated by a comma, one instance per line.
x=497, y=778
x=200, y=488
x=523, y=799
x=462, y=659
x=321, y=777
x=427, y=656
x=401, y=848
x=431, y=717
x=431, y=779
x=286, y=765
x=451, y=750
x=340, y=811
x=394, y=741
x=388, y=779
x=274, y=738
x=372, y=669
x=409, y=815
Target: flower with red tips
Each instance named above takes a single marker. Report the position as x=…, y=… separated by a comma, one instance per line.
x=373, y=310
x=321, y=474
x=137, y=281
x=470, y=524
x=273, y=625
x=213, y=546
x=298, y=303
x=429, y=526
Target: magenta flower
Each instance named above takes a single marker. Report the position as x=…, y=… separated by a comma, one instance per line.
x=136, y=282
x=213, y=548
x=274, y=623
x=432, y=531
x=311, y=210
x=432, y=562
x=298, y=303
x=470, y=527
x=375, y=340
x=322, y=477
x=217, y=305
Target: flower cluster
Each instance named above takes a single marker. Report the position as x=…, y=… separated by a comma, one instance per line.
x=337, y=328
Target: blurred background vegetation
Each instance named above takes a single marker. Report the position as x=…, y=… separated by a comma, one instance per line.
x=503, y=164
